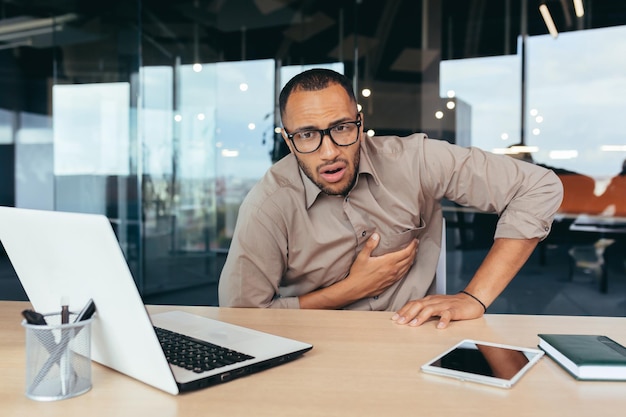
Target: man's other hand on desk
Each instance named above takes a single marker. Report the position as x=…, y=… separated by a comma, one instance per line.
x=504, y=260
x=446, y=307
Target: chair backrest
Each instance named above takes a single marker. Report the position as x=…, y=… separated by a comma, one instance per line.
x=440, y=273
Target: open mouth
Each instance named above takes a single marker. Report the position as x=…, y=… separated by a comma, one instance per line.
x=333, y=173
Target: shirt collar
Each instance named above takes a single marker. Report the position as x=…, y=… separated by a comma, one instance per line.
x=312, y=191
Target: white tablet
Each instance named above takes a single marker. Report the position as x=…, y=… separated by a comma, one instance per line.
x=484, y=362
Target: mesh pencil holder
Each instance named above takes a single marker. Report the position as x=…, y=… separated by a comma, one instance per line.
x=58, y=358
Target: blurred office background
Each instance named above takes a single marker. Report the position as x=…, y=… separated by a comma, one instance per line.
x=161, y=115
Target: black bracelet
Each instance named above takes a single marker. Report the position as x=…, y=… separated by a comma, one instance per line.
x=475, y=298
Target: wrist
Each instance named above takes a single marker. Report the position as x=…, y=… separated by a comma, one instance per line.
x=475, y=298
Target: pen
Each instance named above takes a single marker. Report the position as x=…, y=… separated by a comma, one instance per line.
x=65, y=310
x=64, y=360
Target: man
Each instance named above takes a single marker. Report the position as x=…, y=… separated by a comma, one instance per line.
x=336, y=223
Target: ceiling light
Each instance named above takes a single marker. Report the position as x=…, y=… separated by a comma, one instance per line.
x=25, y=23
x=516, y=149
x=613, y=148
x=547, y=18
x=564, y=154
x=4, y=37
x=524, y=148
x=578, y=7
x=230, y=153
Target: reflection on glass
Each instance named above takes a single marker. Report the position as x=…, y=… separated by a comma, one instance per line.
x=579, y=78
x=490, y=88
x=207, y=139
x=482, y=359
x=91, y=128
x=562, y=91
x=91, y=156
x=91, y=150
x=34, y=181
x=6, y=126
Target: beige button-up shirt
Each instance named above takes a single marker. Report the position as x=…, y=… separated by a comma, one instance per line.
x=291, y=238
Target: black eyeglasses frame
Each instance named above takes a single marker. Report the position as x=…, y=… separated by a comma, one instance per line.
x=324, y=132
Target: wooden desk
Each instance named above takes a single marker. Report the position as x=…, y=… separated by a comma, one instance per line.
x=362, y=365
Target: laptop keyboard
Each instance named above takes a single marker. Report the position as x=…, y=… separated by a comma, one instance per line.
x=196, y=355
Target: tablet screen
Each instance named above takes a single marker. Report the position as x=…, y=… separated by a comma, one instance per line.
x=489, y=363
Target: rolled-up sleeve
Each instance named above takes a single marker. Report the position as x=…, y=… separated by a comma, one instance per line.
x=531, y=211
x=525, y=196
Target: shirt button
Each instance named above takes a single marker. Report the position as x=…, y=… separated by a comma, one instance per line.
x=364, y=233
x=546, y=228
x=375, y=297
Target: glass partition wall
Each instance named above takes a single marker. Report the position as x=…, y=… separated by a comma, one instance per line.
x=162, y=116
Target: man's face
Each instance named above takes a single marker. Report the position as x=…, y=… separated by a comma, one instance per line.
x=332, y=168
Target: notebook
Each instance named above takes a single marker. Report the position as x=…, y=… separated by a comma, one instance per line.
x=73, y=255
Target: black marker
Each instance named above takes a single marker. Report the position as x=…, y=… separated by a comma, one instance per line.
x=32, y=317
x=86, y=312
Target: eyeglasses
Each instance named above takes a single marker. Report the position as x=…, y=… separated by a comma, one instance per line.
x=342, y=134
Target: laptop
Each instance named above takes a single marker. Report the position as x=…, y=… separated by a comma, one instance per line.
x=75, y=255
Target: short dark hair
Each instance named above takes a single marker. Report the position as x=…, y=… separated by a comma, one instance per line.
x=313, y=80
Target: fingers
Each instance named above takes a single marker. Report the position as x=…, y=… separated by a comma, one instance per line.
x=374, y=274
x=410, y=250
x=371, y=244
x=444, y=319
x=446, y=307
x=403, y=259
x=409, y=253
x=415, y=313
